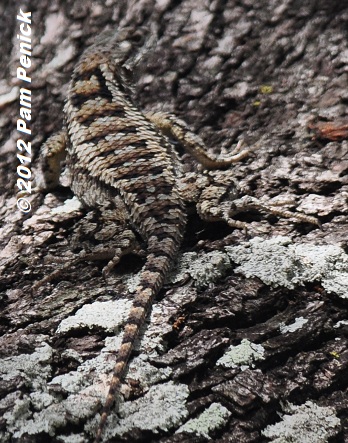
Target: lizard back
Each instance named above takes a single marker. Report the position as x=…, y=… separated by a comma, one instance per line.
x=114, y=151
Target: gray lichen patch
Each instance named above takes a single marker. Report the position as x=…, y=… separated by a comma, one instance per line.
x=51, y=418
x=32, y=368
x=108, y=315
x=163, y=407
x=243, y=355
x=72, y=438
x=278, y=262
x=72, y=382
x=145, y=373
x=43, y=411
x=337, y=282
x=297, y=324
x=203, y=269
x=308, y=423
x=39, y=411
x=213, y=418
x=111, y=315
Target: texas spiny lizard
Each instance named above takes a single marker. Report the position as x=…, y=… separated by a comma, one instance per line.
x=118, y=155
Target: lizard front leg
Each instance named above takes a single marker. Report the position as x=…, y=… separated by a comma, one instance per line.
x=174, y=127
x=52, y=155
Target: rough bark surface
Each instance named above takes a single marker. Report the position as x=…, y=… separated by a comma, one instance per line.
x=274, y=73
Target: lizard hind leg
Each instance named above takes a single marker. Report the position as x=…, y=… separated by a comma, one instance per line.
x=212, y=205
x=249, y=203
x=124, y=244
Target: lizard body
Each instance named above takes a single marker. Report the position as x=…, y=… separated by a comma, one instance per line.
x=114, y=151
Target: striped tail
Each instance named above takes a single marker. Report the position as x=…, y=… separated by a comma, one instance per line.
x=159, y=260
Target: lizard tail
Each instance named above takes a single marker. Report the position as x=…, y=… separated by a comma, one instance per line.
x=161, y=255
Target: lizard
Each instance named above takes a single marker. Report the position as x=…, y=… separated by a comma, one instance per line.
x=117, y=155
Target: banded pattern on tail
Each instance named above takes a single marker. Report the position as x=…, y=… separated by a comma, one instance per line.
x=151, y=281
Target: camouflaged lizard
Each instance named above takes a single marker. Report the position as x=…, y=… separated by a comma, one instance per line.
x=117, y=155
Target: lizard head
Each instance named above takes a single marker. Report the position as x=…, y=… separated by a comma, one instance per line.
x=127, y=45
